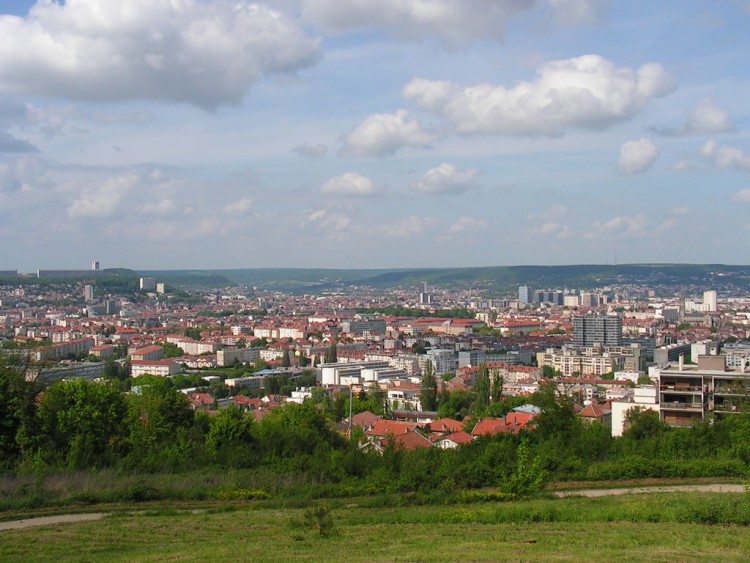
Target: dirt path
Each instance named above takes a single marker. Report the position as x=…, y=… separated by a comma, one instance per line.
x=46, y=520
x=722, y=488
x=717, y=488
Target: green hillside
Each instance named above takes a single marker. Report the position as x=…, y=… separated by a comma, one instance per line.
x=494, y=278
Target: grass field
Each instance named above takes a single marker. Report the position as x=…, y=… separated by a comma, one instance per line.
x=668, y=527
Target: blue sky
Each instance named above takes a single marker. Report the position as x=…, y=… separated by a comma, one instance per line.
x=373, y=133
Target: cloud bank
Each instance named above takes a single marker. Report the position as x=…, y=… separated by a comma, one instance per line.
x=586, y=92
x=203, y=53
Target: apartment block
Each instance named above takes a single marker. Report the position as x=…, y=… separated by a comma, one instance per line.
x=691, y=393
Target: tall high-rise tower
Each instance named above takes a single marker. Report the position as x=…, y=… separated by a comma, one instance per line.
x=709, y=300
x=589, y=330
x=523, y=294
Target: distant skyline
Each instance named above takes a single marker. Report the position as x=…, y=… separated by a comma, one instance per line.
x=210, y=134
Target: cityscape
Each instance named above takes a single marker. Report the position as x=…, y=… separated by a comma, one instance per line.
x=374, y=280
x=610, y=349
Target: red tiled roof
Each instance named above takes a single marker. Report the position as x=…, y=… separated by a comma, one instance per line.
x=390, y=427
x=446, y=425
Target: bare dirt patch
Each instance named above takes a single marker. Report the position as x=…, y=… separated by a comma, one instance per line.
x=716, y=488
x=47, y=520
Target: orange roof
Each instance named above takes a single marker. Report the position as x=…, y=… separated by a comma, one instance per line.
x=513, y=423
x=446, y=425
x=593, y=411
x=410, y=441
x=385, y=427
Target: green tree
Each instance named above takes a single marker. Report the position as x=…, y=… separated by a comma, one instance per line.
x=456, y=406
x=230, y=438
x=529, y=475
x=193, y=332
x=17, y=409
x=155, y=416
x=429, y=391
x=81, y=424
x=172, y=350
x=331, y=355
x=642, y=424
x=496, y=392
x=285, y=361
x=481, y=390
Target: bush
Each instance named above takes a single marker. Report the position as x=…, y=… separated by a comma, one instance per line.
x=243, y=494
x=483, y=496
x=319, y=519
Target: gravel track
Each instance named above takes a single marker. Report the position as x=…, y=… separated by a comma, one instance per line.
x=592, y=493
x=721, y=488
x=47, y=520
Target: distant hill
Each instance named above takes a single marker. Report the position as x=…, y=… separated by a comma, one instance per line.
x=496, y=278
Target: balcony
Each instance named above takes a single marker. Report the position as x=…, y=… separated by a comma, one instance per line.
x=677, y=405
x=680, y=388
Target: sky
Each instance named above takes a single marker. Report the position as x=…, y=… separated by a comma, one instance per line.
x=175, y=134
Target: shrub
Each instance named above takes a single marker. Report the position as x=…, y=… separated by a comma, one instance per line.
x=319, y=519
x=483, y=496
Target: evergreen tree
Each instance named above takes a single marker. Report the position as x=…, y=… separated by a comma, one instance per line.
x=497, y=386
x=481, y=390
x=331, y=356
x=429, y=388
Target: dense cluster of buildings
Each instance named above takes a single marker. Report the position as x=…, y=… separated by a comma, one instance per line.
x=612, y=348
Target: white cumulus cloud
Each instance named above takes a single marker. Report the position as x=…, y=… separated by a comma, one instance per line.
x=451, y=21
x=619, y=227
x=99, y=202
x=637, y=156
x=239, y=207
x=681, y=210
x=310, y=151
x=705, y=118
x=411, y=226
x=350, y=184
x=464, y=224
x=445, y=179
x=574, y=12
x=162, y=207
x=723, y=156
x=383, y=134
x=328, y=221
x=742, y=196
x=203, y=53
x=586, y=92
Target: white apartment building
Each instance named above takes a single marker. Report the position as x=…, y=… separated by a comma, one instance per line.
x=162, y=368
x=443, y=360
